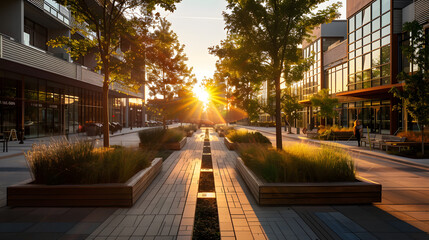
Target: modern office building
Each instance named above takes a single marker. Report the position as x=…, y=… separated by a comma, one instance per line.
x=323, y=37
x=42, y=90
x=361, y=70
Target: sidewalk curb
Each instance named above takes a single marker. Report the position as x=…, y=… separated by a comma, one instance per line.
x=364, y=152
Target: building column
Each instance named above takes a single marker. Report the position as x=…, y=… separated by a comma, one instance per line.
x=405, y=120
x=20, y=110
x=143, y=106
x=393, y=115
x=127, y=110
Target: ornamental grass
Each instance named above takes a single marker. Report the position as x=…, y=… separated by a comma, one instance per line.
x=63, y=162
x=154, y=139
x=243, y=136
x=299, y=163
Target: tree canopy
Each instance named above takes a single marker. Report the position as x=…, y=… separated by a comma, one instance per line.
x=273, y=30
x=415, y=93
x=325, y=103
x=105, y=25
x=167, y=71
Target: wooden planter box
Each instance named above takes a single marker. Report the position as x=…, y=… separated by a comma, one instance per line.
x=342, y=135
x=361, y=192
x=230, y=145
x=190, y=133
x=90, y=195
x=176, y=145
x=221, y=134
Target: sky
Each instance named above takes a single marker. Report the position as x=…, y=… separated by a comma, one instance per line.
x=199, y=25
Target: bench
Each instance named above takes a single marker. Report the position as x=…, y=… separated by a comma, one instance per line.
x=369, y=140
x=381, y=140
x=404, y=145
x=313, y=133
x=391, y=140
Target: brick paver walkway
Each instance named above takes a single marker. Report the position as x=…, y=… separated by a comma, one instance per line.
x=240, y=216
x=166, y=209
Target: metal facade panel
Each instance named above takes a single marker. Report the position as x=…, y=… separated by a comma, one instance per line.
x=422, y=11
x=29, y=56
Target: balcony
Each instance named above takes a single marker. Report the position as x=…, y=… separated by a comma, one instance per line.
x=36, y=58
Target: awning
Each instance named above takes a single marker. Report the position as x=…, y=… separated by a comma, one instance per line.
x=374, y=92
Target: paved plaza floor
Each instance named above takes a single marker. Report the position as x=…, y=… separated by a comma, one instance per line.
x=166, y=209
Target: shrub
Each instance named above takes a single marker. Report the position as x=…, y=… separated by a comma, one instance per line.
x=414, y=136
x=299, y=163
x=154, y=139
x=62, y=162
x=188, y=128
x=173, y=135
x=247, y=137
x=334, y=128
x=224, y=129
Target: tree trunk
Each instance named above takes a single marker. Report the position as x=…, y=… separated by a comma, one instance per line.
x=105, y=111
x=278, y=116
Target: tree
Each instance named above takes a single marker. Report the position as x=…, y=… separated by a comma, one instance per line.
x=105, y=21
x=273, y=29
x=291, y=107
x=252, y=109
x=325, y=103
x=167, y=70
x=415, y=94
x=241, y=72
x=268, y=107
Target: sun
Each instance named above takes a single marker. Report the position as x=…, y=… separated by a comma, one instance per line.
x=202, y=95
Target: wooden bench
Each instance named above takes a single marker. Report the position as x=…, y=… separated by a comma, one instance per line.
x=390, y=140
x=404, y=145
x=381, y=140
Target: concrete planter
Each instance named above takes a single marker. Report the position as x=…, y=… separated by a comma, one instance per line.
x=229, y=144
x=362, y=191
x=189, y=134
x=221, y=134
x=91, y=195
x=176, y=145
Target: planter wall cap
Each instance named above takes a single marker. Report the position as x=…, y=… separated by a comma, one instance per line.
x=134, y=179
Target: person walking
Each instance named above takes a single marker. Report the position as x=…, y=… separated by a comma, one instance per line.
x=357, y=131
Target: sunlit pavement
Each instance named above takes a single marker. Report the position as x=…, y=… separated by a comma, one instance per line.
x=405, y=189
x=14, y=169
x=403, y=214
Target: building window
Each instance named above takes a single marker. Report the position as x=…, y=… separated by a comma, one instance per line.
x=337, y=78
x=369, y=48
x=35, y=35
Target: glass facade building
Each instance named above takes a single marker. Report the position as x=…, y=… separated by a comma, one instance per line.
x=42, y=91
x=361, y=69
x=369, y=46
x=51, y=108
